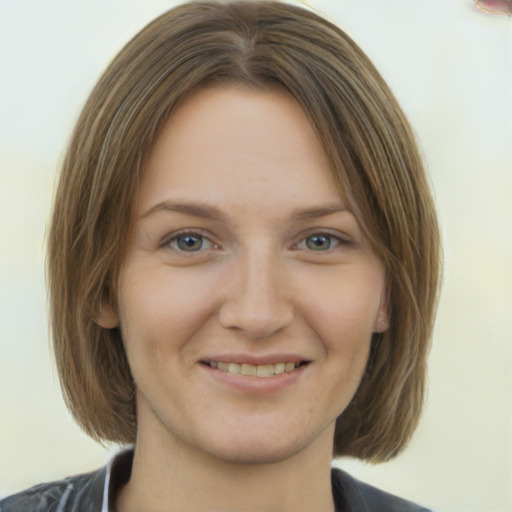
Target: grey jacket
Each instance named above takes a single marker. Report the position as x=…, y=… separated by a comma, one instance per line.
x=94, y=492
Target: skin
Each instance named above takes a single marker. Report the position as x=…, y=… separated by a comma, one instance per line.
x=279, y=270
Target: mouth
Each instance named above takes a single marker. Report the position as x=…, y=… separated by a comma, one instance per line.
x=252, y=370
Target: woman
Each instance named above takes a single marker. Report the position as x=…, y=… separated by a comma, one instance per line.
x=243, y=269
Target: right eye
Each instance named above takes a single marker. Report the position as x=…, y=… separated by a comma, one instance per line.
x=189, y=242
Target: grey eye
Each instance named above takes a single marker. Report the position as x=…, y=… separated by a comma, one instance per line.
x=190, y=242
x=318, y=242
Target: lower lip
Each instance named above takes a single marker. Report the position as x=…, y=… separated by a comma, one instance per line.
x=259, y=385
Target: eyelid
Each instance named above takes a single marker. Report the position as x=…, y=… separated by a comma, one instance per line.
x=342, y=239
x=166, y=241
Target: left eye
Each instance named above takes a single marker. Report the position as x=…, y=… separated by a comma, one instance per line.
x=190, y=242
x=319, y=242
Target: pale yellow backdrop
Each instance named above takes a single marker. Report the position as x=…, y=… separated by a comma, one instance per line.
x=451, y=68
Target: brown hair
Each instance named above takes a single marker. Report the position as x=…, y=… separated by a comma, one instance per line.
x=261, y=45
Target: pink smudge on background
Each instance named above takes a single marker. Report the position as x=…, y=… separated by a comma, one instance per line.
x=494, y=6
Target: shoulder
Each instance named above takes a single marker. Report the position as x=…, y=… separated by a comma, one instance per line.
x=82, y=493
x=355, y=496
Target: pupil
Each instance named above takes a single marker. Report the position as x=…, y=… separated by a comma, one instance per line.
x=189, y=242
x=318, y=243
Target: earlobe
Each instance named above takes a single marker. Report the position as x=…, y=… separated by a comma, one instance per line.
x=382, y=321
x=106, y=317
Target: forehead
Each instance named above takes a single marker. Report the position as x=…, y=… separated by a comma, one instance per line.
x=225, y=143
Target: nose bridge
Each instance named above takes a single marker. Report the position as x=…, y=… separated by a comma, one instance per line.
x=258, y=301
x=261, y=285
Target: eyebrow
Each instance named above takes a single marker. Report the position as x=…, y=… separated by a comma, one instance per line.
x=203, y=211
x=302, y=214
x=209, y=212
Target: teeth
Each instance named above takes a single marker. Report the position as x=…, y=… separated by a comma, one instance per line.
x=249, y=370
x=279, y=368
x=265, y=370
x=234, y=368
x=252, y=370
x=222, y=366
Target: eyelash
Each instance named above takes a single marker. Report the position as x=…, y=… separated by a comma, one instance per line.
x=172, y=242
x=328, y=236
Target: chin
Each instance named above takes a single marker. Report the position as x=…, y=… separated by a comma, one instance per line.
x=263, y=446
x=248, y=437
x=251, y=452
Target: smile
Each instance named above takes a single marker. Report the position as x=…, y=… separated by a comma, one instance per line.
x=251, y=370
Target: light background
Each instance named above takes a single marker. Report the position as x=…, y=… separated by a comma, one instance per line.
x=450, y=67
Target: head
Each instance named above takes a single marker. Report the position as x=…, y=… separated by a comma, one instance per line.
x=261, y=47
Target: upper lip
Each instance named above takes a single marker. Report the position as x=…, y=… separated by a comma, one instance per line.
x=256, y=359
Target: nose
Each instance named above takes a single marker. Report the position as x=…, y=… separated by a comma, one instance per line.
x=257, y=299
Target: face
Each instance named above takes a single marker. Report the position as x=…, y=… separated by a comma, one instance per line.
x=249, y=293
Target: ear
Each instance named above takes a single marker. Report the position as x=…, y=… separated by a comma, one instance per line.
x=382, y=319
x=106, y=316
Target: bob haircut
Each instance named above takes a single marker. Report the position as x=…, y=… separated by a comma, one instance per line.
x=263, y=46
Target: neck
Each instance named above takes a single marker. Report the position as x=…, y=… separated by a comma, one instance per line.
x=170, y=476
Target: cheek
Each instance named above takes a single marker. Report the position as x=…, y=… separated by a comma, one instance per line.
x=163, y=306
x=343, y=307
